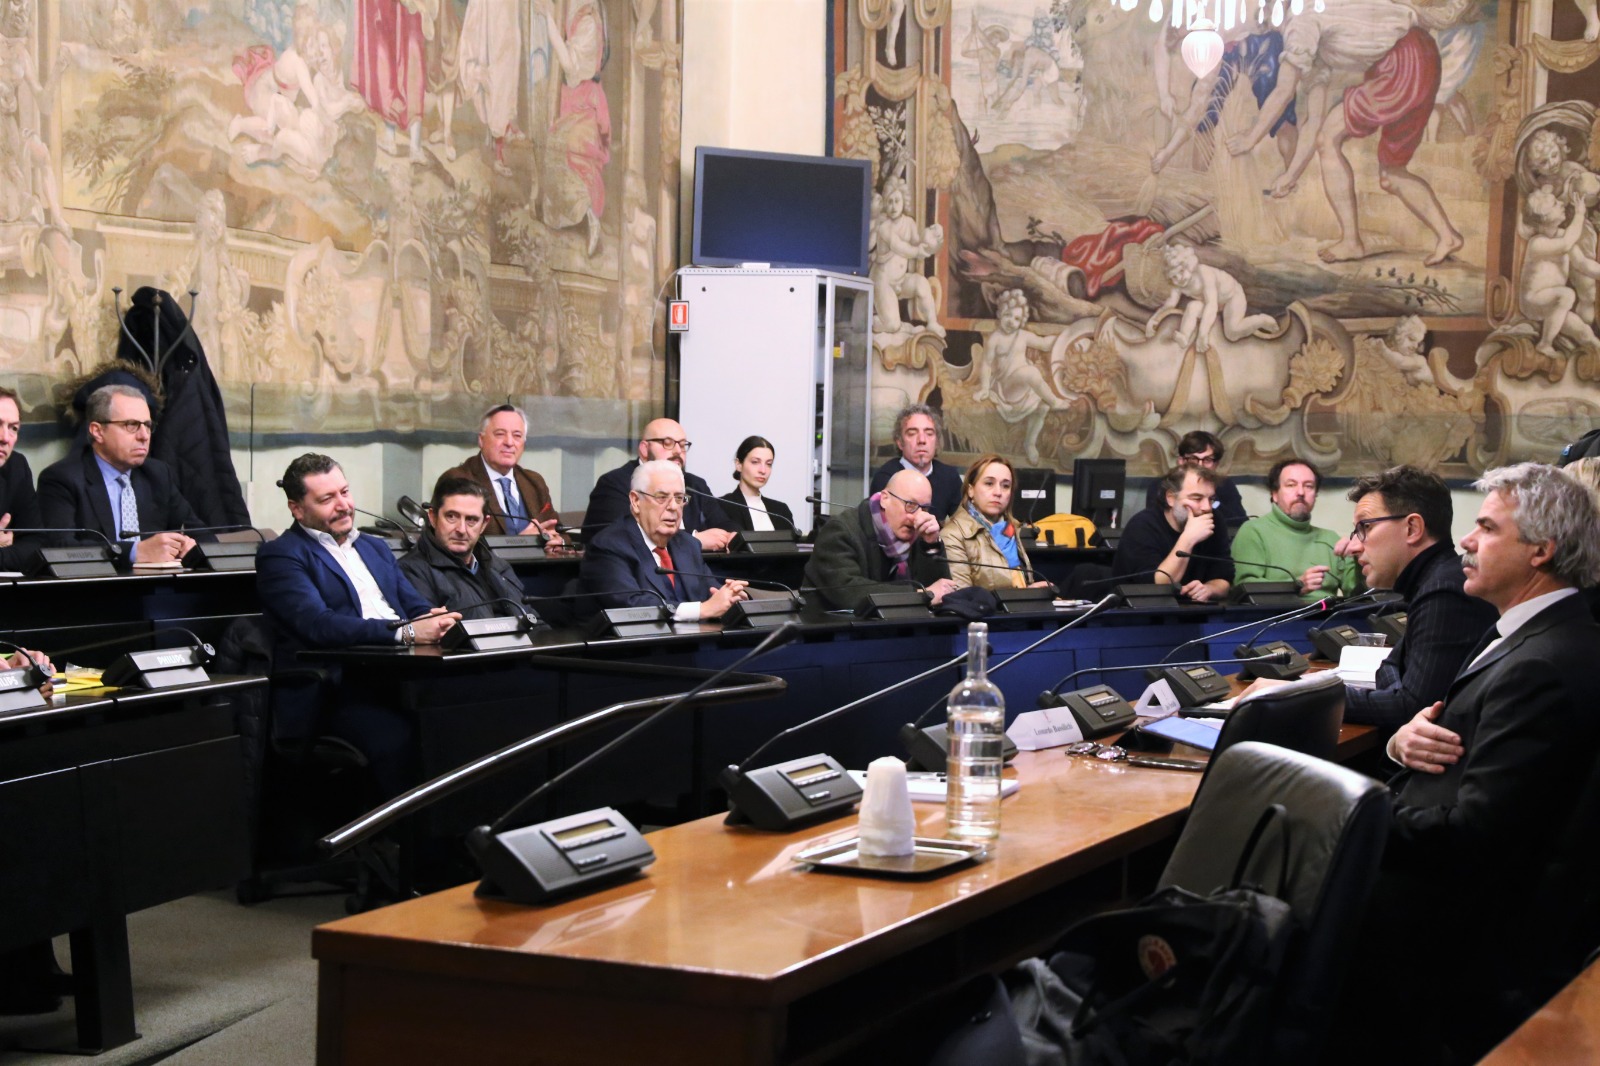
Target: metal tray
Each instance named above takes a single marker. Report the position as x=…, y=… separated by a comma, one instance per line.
x=929, y=856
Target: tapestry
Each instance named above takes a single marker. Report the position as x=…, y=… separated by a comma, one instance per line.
x=383, y=213
x=1365, y=236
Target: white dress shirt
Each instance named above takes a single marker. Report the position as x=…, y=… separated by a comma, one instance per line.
x=373, y=605
x=686, y=611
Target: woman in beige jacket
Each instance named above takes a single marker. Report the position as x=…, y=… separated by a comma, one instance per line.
x=982, y=531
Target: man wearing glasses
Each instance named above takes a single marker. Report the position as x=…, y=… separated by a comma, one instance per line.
x=890, y=540
x=621, y=561
x=1200, y=448
x=702, y=516
x=114, y=488
x=451, y=565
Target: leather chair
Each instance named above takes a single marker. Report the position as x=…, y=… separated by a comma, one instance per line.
x=1302, y=716
x=1336, y=826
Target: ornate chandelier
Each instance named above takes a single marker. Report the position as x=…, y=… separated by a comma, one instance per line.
x=1202, y=44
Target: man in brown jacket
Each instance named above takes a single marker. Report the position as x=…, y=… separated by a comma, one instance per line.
x=518, y=494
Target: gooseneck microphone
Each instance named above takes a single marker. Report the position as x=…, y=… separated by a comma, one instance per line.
x=1029, y=573
x=63, y=529
x=1229, y=559
x=384, y=522
x=772, y=586
x=774, y=515
x=1286, y=616
x=1352, y=604
x=1124, y=578
x=1049, y=696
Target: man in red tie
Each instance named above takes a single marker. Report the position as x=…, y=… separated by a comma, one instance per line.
x=647, y=557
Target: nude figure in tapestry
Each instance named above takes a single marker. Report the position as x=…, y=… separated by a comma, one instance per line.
x=1546, y=294
x=1400, y=69
x=894, y=243
x=1209, y=292
x=1549, y=167
x=1007, y=377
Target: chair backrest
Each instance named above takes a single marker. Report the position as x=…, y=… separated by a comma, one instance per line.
x=1335, y=826
x=1302, y=716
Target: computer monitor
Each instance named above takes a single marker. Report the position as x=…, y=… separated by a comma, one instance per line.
x=1034, y=495
x=1097, y=490
x=780, y=209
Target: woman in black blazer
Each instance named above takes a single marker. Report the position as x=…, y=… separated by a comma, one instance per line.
x=750, y=509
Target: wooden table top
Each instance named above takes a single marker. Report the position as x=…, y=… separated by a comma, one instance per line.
x=1565, y=1030
x=726, y=912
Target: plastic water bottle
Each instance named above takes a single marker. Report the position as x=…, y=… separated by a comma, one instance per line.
x=977, y=725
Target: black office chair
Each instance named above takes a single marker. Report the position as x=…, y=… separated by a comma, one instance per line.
x=1336, y=826
x=1302, y=716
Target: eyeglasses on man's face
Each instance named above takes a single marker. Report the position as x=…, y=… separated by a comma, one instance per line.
x=677, y=499
x=911, y=506
x=1205, y=458
x=132, y=425
x=669, y=444
x=1363, y=527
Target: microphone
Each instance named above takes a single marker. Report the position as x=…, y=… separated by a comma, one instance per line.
x=1352, y=604
x=1050, y=698
x=62, y=529
x=928, y=747
x=20, y=685
x=774, y=586
x=777, y=638
x=819, y=501
x=388, y=523
x=775, y=516
x=1033, y=504
x=236, y=527
x=623, y=621
x=1286, y=616
x=1229, y=559
x=1122, y=578
x=157, y=668
x=1029, y=573
x=34, y=671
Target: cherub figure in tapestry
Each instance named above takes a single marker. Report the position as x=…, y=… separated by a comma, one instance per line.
x=896, y=241
x=1400, y=67
x=1550, y=259
x=1209, y=291
x=1008, y=378
x=279, y=126
x=1546, y=165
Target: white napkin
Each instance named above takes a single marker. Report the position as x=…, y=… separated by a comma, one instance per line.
x=887, y=824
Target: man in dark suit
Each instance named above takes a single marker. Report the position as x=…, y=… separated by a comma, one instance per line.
x=520, y=494
x=323, y=585
x=620, y=561
x=916, y=434
x=889, y=541
x=1473, y=917
x=703, y=514
x=115, y=488
x=451, y=564
x=19, y=505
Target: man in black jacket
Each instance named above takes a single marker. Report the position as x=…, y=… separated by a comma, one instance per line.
x=916, y=435
x=19, y=506
x=703, y=515
x=114, y=488
x=451, y=564
x=889, y=541
x=1480, y=915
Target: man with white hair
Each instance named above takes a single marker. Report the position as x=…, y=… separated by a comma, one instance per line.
x=521, y=498
x=1484, y=909
x=621, y=561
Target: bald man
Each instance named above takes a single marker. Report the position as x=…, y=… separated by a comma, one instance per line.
x=889, y=541
x=703, y=516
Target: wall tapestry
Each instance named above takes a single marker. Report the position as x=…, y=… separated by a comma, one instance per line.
x=1366, y=237
x=392, y=211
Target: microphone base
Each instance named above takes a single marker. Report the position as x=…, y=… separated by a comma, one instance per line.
x=1392, y=626
x=1099, y=710
x=1269, y=594
x=633, y=622
x=487, y=634
x=161, y=668
x=1150, y=595
x=788, y=795
x=516, y=548
x=1026, y=601
x=1289, y=671
x=1331, y=640
x=223, y=556
x=538, y=863
x=75, y=562
x=895, y=607
x=763, y=542
x=761, y=614
x=19, y=691
x=928, y=748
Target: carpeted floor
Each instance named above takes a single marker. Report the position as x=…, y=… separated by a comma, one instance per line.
x=213, y=983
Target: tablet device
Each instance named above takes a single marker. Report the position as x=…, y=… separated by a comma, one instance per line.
x=1198, y=732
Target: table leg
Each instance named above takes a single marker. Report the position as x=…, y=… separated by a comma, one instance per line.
x=102, y=981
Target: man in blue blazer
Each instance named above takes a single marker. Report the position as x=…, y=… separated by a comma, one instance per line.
x=620, y=561
x=113, y=486
x=323, y=585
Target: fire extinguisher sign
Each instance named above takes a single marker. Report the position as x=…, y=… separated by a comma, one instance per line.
x=678, y=316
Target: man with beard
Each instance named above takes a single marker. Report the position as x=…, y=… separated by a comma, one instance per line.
x=702, y=514
x=1284, y=538
x=1153, y=538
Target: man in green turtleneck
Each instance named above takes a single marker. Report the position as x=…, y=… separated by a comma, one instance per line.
x=1284, y=543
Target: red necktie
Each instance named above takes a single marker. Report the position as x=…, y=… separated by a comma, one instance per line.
x=666, y=561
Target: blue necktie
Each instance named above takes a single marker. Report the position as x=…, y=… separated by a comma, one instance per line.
x=129, y=517
x=516, y=519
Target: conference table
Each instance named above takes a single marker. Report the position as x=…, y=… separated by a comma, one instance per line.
x=725, y=950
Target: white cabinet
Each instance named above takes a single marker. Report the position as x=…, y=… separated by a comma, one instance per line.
x=786, y=355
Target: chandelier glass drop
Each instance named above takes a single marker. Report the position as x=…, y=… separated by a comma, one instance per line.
x=1206, y=20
